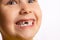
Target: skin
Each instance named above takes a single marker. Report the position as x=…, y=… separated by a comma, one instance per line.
x=10, y=13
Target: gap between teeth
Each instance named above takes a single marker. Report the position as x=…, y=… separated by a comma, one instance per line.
x=25, y=24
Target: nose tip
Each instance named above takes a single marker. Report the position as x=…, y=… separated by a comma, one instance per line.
x=25, y=11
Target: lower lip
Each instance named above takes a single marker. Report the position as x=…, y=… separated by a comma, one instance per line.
x=25, y=27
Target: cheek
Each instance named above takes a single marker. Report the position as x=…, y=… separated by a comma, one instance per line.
x=9, y=11
x=7, y=17
x=8, y=14
x=37, y=10
x=38, y=14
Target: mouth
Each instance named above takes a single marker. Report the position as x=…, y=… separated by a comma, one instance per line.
x=25, y=23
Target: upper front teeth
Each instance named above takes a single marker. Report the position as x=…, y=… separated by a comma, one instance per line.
x=25, y=23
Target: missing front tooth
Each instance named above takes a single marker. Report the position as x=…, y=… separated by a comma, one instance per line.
x=26, y=23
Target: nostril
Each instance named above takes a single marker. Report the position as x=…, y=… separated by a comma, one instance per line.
x=25, y=11
x=30, y=12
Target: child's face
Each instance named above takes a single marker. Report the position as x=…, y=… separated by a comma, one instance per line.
x=19, y=18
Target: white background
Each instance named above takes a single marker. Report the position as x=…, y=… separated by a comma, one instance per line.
x=50, y=27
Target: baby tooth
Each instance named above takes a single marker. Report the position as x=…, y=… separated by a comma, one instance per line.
x=30, y=23
x=25, y=23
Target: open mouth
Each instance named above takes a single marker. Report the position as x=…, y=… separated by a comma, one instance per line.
x=25, y=23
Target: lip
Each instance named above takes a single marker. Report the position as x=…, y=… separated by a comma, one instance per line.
x=25, y=27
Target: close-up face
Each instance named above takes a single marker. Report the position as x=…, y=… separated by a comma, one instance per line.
x=20, y=18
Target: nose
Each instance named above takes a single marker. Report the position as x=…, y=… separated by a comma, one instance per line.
x=25, y=9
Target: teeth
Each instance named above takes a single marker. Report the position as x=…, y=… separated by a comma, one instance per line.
x=25, y=23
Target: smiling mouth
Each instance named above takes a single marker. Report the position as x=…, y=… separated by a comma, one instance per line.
x=25, y=23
